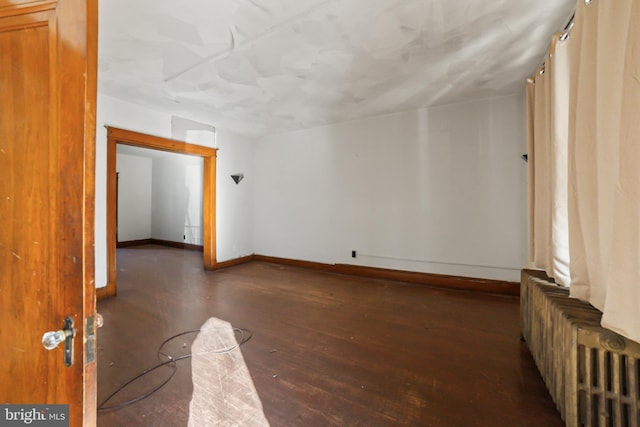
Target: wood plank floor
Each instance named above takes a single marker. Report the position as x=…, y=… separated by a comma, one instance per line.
x=327, y=349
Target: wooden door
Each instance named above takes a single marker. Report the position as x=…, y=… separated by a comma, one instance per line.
x=47, y=139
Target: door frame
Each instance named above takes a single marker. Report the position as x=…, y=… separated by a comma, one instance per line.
x=117, y=136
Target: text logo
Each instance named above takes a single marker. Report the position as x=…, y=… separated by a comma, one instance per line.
x=34, y=415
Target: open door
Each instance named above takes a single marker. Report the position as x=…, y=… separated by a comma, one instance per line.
x=47, y=155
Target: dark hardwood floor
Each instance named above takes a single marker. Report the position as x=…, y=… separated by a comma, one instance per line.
x=327, y=349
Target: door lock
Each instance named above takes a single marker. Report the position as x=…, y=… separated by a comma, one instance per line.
x=90, y=343
x=52, y=339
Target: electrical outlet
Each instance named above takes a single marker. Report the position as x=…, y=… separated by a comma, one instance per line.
x=353, y=254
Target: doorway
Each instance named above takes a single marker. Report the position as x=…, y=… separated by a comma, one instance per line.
x=117, y=136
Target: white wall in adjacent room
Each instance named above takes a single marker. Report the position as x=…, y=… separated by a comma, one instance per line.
x=439, y=190
x=176, y=213
x=134, y=197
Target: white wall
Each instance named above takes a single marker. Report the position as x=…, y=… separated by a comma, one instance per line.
x=176, y=213
x=440, y=190
x=234, y=203
x=160, y=196
x=134, y=197
x=234, y=212
x=113, y=112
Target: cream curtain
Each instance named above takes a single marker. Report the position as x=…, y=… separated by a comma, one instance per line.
x=530, y=171
x=598, y=71
x=622, y=304
x=559, y=74
x=550, y=103
x=541, y=172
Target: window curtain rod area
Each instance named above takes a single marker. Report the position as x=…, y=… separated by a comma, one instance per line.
x=567, y=29
x=565, y=33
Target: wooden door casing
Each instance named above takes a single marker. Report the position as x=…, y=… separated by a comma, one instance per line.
x=48, y=62
x=117, y=136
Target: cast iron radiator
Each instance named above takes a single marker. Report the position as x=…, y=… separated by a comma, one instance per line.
x=591, y=372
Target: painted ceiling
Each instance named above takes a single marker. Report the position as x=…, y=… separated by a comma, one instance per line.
x=270, y=66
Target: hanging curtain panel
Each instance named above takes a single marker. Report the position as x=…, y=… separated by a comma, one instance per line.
x=542, y=171
x=530, y=169
x=598, y=45
x=548, y=104
x=558, y=139
x=622, y=306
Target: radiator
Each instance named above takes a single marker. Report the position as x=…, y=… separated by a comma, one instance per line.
x=591, y=372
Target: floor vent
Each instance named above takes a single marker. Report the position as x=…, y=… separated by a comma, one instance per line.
x=591, y=372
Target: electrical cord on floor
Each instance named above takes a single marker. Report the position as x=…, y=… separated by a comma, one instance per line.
x=174, y=367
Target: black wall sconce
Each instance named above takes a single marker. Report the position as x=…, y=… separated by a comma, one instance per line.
x=237, y=177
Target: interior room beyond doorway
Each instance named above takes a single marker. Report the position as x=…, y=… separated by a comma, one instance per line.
x=159, y=198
